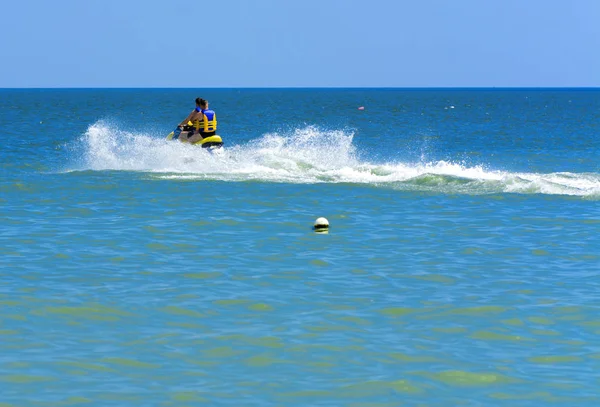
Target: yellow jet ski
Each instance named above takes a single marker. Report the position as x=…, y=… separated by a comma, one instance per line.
x=211, y=142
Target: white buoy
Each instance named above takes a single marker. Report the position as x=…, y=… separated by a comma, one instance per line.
x=321, y=225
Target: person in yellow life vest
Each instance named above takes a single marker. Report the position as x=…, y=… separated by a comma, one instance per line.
x=205, y=124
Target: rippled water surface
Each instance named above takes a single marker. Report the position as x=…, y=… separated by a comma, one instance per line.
x=461, y=267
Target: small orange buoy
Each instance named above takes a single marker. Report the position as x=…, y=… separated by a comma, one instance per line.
x=361, y=108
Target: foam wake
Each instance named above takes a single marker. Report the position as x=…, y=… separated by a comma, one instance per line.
x=310, y=155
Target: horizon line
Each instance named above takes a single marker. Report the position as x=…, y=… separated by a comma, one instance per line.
x=295, y=87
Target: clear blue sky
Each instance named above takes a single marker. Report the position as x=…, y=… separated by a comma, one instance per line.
x=309, y=43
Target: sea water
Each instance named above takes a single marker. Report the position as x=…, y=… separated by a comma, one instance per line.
x=461, y=267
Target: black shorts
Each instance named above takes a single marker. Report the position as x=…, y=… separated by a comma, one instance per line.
x=212, y=144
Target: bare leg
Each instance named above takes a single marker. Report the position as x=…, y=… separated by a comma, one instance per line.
x=195, y=138
x=183, y=137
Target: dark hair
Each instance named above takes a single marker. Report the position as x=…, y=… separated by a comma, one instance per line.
x=203, y=102
x=199, y=101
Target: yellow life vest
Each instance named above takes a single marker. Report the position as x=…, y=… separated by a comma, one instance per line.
x=209, y=120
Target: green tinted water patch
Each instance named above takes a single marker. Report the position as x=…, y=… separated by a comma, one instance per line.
x=222, y=352
x=562, y=310
x=226, y=222
x=435, y=278
x=124, y=397
x=355, y=320
x=90, y=366
x=461, y=378
x=154, y=230
x=240, y=340
x=545, y=332
x=188, y=397
x=512, y=322
x=260, y=307
x=10, y=303
x=79, y=212
x=495, y=336
x=405, y=358
x=550, y=301
x=21, y=187
x=450, y=330
x=319, y=366
x=187, y=298
x=167, y=338
x=540, y=396
x=572, y=342
x=314, y=348
x=174, y=310
x=74, y=401
x=94, y=312
x=554, y=359
x=288, y=275
x=398, y=311
x=592, y=325
x=189, y=326
x=201, y=224
x=470, y=251
x=316, y=394
x=546, y=397
x=231, y=302
x=262, y=361
x=265, y=341
x=124, y=362
x=484, y=310
x=379, y=388
x=332, y=328
x=16, y=317
x=275, y=258
x=541, y=321
x=571, y=317
x=17, y=365
x=172, y=248
x=25, y=379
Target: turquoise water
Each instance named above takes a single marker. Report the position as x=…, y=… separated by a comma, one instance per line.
x=462, y=266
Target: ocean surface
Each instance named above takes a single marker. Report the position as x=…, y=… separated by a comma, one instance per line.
x=461, y=268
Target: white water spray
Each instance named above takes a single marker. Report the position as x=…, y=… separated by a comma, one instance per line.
x=310, y=155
